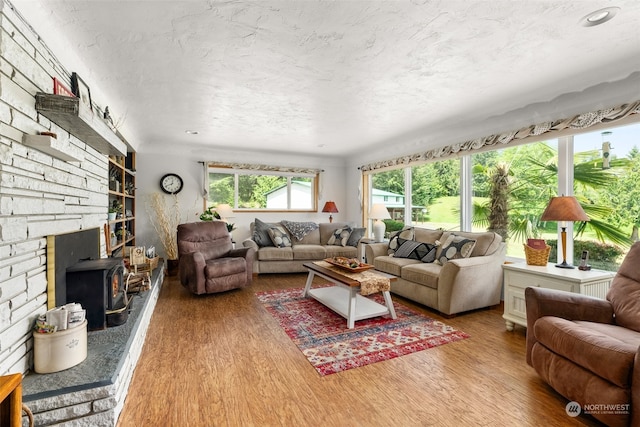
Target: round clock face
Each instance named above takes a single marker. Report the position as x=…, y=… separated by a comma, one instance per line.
x=171, y=183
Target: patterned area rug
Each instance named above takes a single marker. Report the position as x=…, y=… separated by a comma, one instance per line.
x=330, y=347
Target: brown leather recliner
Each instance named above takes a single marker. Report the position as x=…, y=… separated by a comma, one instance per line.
x=207, y=261
x=587, y=349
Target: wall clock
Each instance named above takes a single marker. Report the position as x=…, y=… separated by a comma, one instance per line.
x=171, y=183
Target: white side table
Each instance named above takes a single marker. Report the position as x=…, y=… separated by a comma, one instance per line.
x=519, y=276
x=361, y=245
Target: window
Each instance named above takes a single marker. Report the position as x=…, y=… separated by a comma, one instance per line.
x=435, y=195
x=388, y=188
x=531, y=171
x=261, y=190
x=608, y=191
x=221, y=188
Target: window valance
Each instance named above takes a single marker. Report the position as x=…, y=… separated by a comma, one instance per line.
x=581, y=121
x=268, y=168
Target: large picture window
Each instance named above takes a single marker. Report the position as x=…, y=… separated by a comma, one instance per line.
x=262, y=190
x=601, y=168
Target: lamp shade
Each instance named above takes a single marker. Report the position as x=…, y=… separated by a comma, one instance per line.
x=379, y=211
x=564, y=208
x=224, y=210
x=330, y=207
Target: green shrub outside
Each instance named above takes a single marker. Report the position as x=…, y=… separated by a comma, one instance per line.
x=392, y=225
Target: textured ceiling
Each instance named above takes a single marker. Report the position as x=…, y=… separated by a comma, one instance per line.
x=327, y=77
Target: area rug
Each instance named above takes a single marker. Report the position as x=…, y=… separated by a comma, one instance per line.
x=330, y=347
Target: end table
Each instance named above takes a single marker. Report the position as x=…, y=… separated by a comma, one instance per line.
x=519, y=276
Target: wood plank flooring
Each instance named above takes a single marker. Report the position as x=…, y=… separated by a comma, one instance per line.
x=222, y=360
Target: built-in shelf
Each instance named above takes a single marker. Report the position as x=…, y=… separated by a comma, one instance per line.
x=122, y=184
x=66, y=112
x=47, y=144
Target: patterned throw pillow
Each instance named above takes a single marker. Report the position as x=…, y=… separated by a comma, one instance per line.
x=455, y=247
x=340, y=237
x=355, y=236
x=279, y=237
x=261, y=233
x=425, y=252
x=406, y=233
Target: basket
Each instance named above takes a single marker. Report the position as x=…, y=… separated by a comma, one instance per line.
x=153, y=262
x=537, y=256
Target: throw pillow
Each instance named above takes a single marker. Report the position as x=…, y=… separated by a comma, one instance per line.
x=279, y=237
x=340, y=237
x=425, y=252
x=406, y=233
x=261, y=233
x=299, y=229
x=356, y=235
x=456, y=247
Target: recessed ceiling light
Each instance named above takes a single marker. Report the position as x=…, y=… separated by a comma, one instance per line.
x=599, y=17
x=191, y=132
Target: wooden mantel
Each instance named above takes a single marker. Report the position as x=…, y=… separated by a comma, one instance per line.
x=66, y=112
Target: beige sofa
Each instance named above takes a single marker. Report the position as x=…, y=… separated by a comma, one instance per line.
x=459, y=285
x=313, y=246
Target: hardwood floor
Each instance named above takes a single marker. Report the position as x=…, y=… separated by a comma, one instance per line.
x=222, y=360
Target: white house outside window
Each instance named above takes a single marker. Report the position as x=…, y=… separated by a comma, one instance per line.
x=262, y=190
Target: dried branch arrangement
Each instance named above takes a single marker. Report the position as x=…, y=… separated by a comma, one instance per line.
x=167, y=218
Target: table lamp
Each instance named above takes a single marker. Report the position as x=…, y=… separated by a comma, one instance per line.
x=331, y=208
x=224, y=210
x=563, y=209
x=378, y=213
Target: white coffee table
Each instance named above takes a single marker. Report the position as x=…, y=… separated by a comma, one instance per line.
x=344, y=298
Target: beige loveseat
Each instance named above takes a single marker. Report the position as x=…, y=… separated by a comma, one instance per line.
x=314, y=246
x=459, y=285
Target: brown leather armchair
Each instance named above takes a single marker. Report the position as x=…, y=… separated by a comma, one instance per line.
x=207, y=261
x=587, y=349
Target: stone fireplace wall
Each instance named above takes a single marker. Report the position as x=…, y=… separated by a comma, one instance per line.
x=40, y=195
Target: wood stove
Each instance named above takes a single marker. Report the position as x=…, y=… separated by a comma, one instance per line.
x=76, y=273
x=99, y=286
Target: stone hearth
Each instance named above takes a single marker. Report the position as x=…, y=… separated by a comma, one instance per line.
x=93, y=392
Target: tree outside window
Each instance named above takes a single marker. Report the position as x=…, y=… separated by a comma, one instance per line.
x=262, y=191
